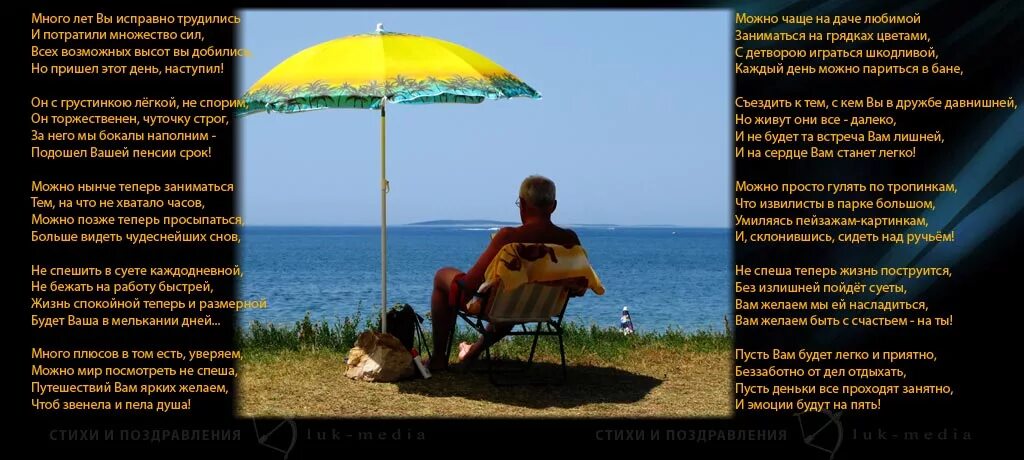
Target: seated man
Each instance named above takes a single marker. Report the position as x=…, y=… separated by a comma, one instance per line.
x=454, y=288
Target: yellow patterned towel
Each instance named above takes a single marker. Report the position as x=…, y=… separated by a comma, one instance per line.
x=520, y=263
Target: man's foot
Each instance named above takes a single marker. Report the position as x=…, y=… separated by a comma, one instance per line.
x=464, y=350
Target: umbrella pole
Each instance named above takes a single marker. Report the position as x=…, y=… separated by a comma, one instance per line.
x=383, y=221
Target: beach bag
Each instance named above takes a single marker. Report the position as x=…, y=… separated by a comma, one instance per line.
x=405, y=324
x=379, y=357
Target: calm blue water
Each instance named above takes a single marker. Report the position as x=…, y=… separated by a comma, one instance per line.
x=679, y=279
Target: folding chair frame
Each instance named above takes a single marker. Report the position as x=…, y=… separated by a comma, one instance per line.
x=551, y=327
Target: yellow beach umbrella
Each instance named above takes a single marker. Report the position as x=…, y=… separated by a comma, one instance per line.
x=369, y=71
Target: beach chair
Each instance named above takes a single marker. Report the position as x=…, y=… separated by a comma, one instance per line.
x=528, y=285
x=536, y=308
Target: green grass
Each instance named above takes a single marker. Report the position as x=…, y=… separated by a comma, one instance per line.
x=261, y=340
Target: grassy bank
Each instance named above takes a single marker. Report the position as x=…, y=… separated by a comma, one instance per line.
x=297, y=371
x=258, y=339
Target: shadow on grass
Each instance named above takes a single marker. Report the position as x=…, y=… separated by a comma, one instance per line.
x=583, y=385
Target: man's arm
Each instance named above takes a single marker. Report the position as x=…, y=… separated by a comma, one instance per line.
x=475, y=275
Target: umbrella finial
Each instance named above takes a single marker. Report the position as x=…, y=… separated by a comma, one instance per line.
x=380, y=27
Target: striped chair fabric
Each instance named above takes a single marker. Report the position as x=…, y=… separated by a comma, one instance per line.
x=531, y=302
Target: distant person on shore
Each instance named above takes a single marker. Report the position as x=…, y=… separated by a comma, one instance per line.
x=454, y=288
x=626, y=321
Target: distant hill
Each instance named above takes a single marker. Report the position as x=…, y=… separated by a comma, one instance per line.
x=453, y=222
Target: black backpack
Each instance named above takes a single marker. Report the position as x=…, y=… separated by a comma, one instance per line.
x=405, y=324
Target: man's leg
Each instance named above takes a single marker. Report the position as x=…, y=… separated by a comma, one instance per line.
x=469, y=352
x=442, y=316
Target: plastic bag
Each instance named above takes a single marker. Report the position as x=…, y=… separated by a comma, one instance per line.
x=378, y=357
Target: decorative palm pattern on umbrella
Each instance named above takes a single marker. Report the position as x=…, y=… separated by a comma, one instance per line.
x=400, y=89
x=369, y=71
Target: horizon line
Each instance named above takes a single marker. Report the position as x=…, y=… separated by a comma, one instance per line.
x=414, y=224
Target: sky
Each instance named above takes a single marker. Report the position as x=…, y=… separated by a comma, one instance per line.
x=634, y=126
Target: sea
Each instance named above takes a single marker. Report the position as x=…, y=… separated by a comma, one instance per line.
x=669, y=277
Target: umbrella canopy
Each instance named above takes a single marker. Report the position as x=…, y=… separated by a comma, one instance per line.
x=361, y=71
x=368, y=71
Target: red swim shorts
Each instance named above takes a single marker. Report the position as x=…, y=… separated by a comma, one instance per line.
x=458, y=295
